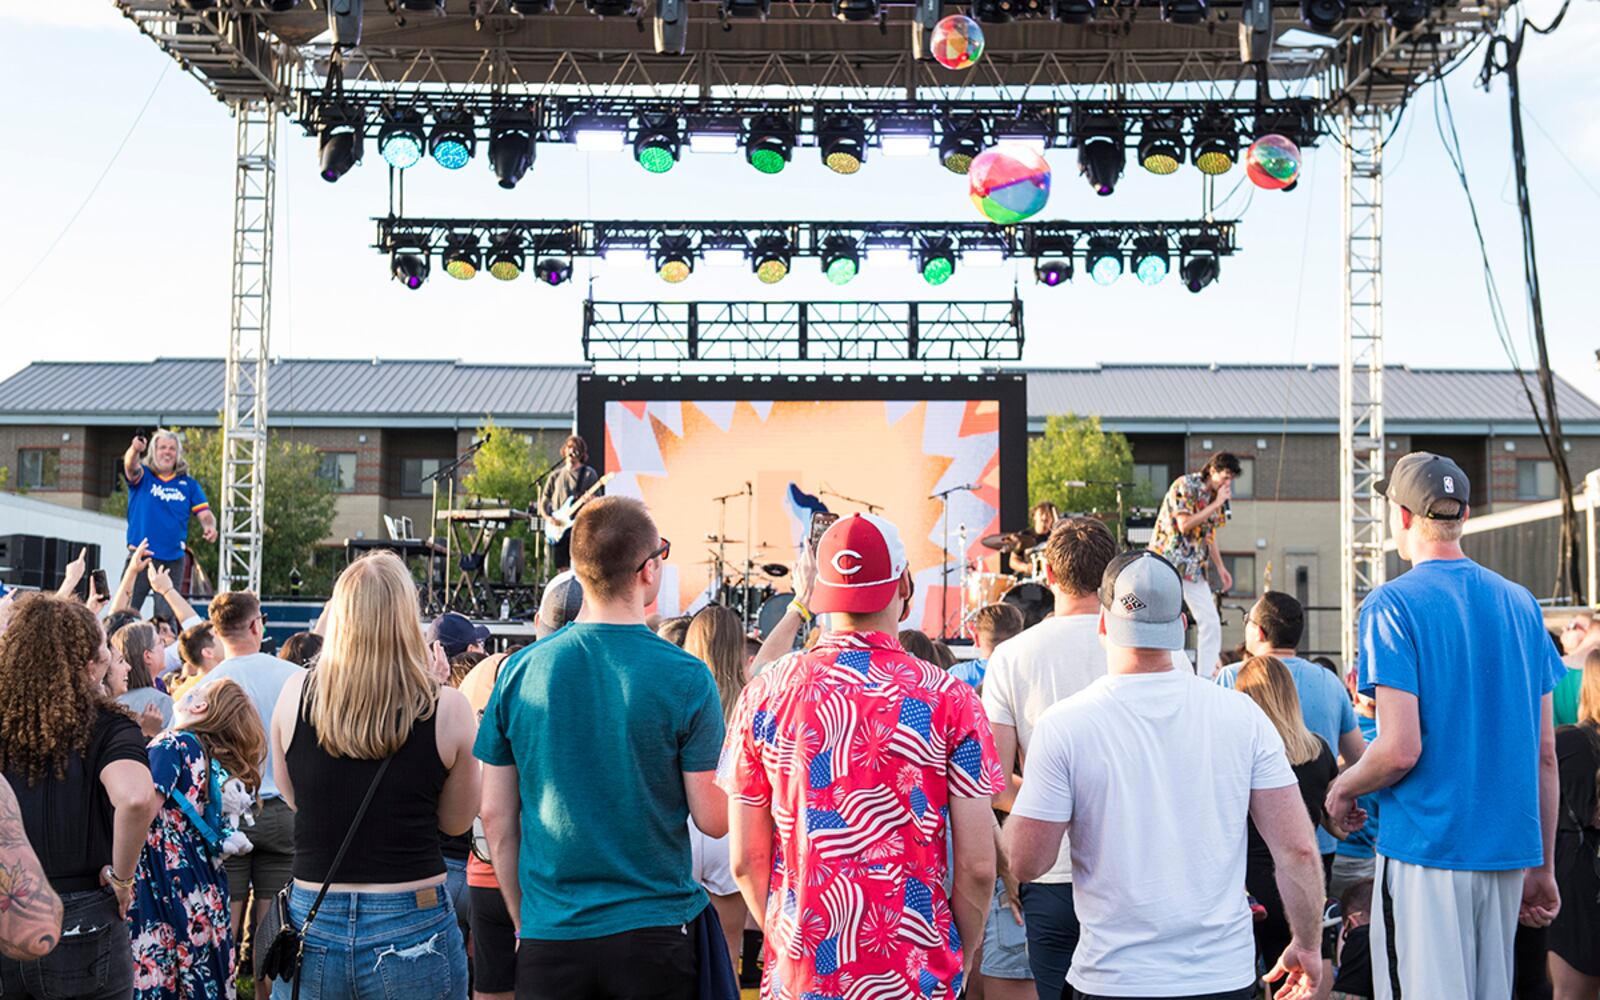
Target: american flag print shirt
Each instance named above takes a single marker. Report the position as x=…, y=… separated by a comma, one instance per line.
x=856, y=748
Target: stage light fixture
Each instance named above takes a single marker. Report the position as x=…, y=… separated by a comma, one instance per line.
x=598, y=135
x=280, y=6
x=905, y=137
x=1030, y=132
x=1051, y=273
x=552, y=270
x=625, y=252
x=1322, y=15
x=714, y=135
x=1405, y=14
x=1216, y=145
x=746, y=9
x=423, y=6
x=409, y=261
x=855, y=10
x=841, y=259
x=1161, y=145
x=461, y=256
x=402, y=139
x=771, y=259
x=531, y=7
x=1150, y=254
x=1201, y=262
x=657, y=145
x=511, y=146
x=340, y=139
x=674, y=259
x=961, y=144
x=936, y=259
x=505, y=257
x=1100, y=153
x=1072, y=11
x=888, y=253
x=843, y=143
x=612, y=8
x=724, y=251
x=1002, y=11
x=452, y=141
x=770, y=143
x=1183, y=11
x=1103, y=260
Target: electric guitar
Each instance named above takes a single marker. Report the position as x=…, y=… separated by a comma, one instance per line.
x=560, y=520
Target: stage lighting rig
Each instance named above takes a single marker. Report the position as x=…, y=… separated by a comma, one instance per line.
x=340, y=138
x=1103, y=260
x=658, y=143
x=1051, y=273
x=674, y=259
x=1101, y=155
x=1184, y=11
x=1150, y=256
x=856, y=10
x=461, y=256
x=936, y=260
x=598, y=133
x=1322, y=15
x=962, y=141
x=1161, y=147
x=553, y=270
x=529, y=8
x=1003, y=11
x=1072, y=11
x=453, y=140
x=511, y=146
x=841, y=259
x=1201, y=261
x=905, y=137
x=1032, y=131
x=718, y=134
x=770, y=143
x=409, y=260
x=732, y=9
x=771, y=258
x=612, y=8
x=1052, y=259
x=1216, y=144
x=1405, y=14
x=505, y=256
x=401, y=140
x=842, y=141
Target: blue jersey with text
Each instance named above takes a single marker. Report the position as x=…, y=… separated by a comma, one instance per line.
x=1472, y=647
x=159, y=511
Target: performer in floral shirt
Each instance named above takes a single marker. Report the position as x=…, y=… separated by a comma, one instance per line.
x=1194, y=508
x=182, y=943
x=863, y=766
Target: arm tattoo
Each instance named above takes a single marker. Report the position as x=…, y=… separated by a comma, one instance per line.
x=30, y=911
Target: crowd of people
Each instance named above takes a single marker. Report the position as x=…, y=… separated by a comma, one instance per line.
x=628, y=807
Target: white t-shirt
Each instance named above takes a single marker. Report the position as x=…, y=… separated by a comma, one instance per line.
x=1154, y=773
x=1028, y=673
x=262, y=676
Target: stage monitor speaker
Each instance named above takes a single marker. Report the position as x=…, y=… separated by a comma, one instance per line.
x=22, y=560
x=59, y=554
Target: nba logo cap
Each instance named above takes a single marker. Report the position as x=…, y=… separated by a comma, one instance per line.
x=1421, y=480
x=1142, y=596
x=859, y=564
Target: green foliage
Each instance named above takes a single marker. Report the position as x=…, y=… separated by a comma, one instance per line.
x=1075, y=448
x=5, y=476
x=503, y=472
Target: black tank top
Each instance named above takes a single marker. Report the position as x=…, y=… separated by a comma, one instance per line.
x=399, y=836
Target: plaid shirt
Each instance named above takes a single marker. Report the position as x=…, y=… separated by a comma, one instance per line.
x=1187, y=550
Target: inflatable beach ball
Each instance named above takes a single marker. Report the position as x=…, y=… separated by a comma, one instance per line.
x=957, y=42
x=1272, y=162
x=1009, y=183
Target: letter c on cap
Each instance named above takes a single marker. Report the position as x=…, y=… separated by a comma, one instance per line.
x=838, y=562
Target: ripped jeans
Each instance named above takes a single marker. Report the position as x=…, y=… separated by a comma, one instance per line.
x=379, y=946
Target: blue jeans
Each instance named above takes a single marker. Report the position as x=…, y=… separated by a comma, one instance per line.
x=455, y=886
x=379, y=946
x=1052, y=926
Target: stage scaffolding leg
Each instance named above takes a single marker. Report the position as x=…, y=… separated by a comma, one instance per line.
x=244, y=407
x=1361, y=446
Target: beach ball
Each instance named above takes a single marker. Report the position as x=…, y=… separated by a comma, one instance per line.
x=1009, y=183
x=1272, y=162
x=957, y=42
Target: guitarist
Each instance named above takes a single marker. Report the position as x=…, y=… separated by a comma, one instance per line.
x=573, y=479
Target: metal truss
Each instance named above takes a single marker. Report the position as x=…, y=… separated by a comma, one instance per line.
x=244, y=407
x=229, y=48
x=789, y=333
x=1361, y=445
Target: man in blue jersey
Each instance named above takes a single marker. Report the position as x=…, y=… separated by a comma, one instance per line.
x=1461, y=667
x=161, y=498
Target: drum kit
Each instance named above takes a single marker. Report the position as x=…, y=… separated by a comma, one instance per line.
x=749, y=590
x=1029, y=594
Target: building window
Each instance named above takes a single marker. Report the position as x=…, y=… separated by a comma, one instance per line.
x=1536, y=479
x=1153, y=476
x=1244, y=484
x=39, y=468
x=412, y=473
x=1243, y=568
x=338, y=470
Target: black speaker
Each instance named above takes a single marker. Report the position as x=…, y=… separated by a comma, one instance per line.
x=22, y=560
x=513, y=561
x=58, y=555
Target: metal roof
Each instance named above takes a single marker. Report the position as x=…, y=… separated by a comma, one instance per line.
x=329, y=393
x=451, y=393
x=1133, y=395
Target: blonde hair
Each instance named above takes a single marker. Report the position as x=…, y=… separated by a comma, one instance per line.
x=1269, y=684
x=716, y=638
x=1589, y=690
x=180, y=467
x=372, y=682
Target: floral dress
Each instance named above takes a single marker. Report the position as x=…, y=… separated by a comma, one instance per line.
x=182, y=942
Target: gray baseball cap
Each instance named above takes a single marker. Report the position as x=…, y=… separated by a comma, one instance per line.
x=560, y=604
x=1422, y=480
x=1142, y=595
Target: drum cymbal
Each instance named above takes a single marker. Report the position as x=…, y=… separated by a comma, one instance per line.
x=774, y=569
x=1004, y=540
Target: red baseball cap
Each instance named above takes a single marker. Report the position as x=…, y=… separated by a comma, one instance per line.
x=859, y=564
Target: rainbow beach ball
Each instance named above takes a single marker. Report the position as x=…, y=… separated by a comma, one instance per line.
x=957, y=42
x=1272, y=162
x=1009, y=183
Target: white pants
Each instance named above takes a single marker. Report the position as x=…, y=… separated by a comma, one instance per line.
x=1450, y=932
x=1208, y=627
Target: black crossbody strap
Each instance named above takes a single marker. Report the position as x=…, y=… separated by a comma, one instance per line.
x=349, y=838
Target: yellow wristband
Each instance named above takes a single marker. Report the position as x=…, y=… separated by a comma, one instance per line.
x=805, y=613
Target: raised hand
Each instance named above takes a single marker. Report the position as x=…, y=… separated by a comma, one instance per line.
x=139, y=444
x=150, y=721
x=160, y=578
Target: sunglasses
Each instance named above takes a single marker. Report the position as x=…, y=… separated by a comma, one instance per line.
x=662, y=551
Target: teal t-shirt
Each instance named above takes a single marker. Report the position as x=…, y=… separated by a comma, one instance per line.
x=1564, y=699
x=601, y=722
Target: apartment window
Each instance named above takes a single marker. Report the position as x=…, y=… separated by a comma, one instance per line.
x=1536, y=479
x=39, y=468
x=1154, y=476
x=412, y=473
x=338, y=470
x=1243, y=568
x=1244, y=484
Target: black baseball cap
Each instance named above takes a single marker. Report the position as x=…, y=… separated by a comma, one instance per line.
x=1422, y=480
x=456, y=633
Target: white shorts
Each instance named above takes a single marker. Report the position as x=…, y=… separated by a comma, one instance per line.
x=711, y=867
x=1442, y=933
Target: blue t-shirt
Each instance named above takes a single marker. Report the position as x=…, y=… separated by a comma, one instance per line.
x=1324, y=705
x=601, y=723
x=1360, y=844
x=1472, y=646
x=159, y=510
x=970, y=671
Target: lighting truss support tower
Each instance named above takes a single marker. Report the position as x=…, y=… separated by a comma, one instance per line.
x=244, y=406
x=1361, y=446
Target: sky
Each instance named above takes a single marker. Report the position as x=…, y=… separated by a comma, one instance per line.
x=140, y=269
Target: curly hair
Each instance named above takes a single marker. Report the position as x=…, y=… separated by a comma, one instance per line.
x=48, y=703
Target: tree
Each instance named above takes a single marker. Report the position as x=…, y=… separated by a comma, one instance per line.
x=1076, y=449
x=504, y=471
x=297, y=510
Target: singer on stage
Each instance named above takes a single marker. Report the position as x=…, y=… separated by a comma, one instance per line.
x=1194, y=508
x=563, y=493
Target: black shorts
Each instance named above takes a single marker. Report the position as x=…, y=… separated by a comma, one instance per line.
x=494, y=942
x=651, y=963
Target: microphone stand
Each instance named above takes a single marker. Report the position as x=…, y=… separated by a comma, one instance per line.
x=872, y=508
x=1122, y=516
x=944, y=566
x=449, y=530
x=541, y=551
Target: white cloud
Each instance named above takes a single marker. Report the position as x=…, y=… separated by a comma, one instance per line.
x=68, y=14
